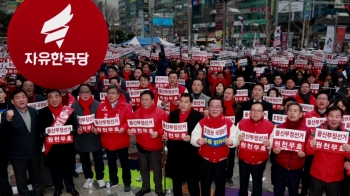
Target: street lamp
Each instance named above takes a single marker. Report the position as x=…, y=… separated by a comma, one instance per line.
x=336, y=16
x=251, y=32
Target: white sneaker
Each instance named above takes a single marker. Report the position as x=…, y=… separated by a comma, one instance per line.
x=101, y=183
x=86, y=184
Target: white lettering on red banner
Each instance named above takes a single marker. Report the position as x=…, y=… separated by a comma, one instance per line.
x=288, y=93
x=289, y=139
x=106, y=82
x=107, y=125
x=232, y=118
x=169, y=94
x=132, y=84
x=275, y=101
x=161, y=81
x=241, y=95
x=331, y=141
x=279, y=118
x=315, y=122
x=43, y=58
x=307, y=108
x=215, y=137
x=59, y=134
x=38, y=105
x=141, y=126
x=217, y=66
x=314, y=88
x=199, y=105
x=253, y=141
x=175, y=131
x=86, y=122
x=103, y=96
x=267, y=87
x=246, y=114
x=346, y=118
x=182, y=82
x=135, y=95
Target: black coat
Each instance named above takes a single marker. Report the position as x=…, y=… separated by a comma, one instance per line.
x=60, y=156
x=183, y=159
x=246, y=105
x=23, y=143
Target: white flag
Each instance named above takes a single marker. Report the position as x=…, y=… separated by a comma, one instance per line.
x=328, y=46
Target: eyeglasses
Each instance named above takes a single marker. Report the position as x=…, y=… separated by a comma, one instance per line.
x=85, y=92
x=257, y=111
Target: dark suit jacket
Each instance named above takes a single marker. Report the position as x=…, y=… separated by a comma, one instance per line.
x=183, y=160
x=23, y=143
x=267, y=107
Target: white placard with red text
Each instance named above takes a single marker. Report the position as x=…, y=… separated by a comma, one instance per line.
x=275, y=101
x=288, y=93
x=161, y=81
x=38, y=105
x=217, y=66
x=86, y=122
x=135, y=95
x=59, y=134
x=175, y=131
x=132, y=85
x=331, y=141
x=289, y=139
x=107, y=125
x=215, y=137
x=141, y=126
x=307, y=108
x=314, y=88
x=314, y=122
x=279, y=118
x=253, y=141
x=199, y=105
x=169, y=94
x=241, y=95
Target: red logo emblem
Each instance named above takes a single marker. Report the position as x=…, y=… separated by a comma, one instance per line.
x=57, y=43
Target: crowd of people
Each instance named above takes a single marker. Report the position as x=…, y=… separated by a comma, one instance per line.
x=206, y=153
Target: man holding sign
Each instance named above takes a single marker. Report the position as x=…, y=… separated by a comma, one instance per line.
x=214, y=135
x=289, y=161
x=330, y=147
x=253, y=136
x=183, y=160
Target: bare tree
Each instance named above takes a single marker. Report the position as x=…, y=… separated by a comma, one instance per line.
x=206, y=9
x=110, y=12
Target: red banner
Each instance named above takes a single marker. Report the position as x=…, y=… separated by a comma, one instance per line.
x=253, y=142
x=331, y=141
x=141, y=126
x=289, y=139
x=339, y=39
x=175, y=131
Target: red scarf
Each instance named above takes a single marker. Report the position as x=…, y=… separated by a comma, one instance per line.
x=127, y=75
x=65, y=99
x=187, y=78
x=56, y=111
x=183, y=117
x=86, y=105
x=294, y=124
x=149, y=110
x=215, y=122
x=229, y=110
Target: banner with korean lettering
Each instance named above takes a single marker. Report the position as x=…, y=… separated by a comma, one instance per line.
x=300, y=64
x=232, y=118
x=288, y=93
x=246, y=114
x=314, y=88
x=107, y=125
x=307, y=108
x=279, y=118
x=199, y=56
x=331, y=141
x=314, y=122
x=175, y=131
x=161, y=81
x=103, y=97
x=289, y=139
x=215, y=137
x=217, y=66
x=276, y=102
x=253, y=141
x=242, y=95
x=132, y=85
x=168, y=94
x=135, y=95
x=199, y=105
x=59, y=135
x=339, y=39
x=86, y=122
x=38, y=105
x=141, y=126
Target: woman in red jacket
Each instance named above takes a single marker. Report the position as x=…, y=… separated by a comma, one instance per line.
x=116, y=142
x=327, y=170
x=250, y=162
x=289, y=164
x=304, y=95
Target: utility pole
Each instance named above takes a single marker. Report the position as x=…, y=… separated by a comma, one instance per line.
x=189, y=15
x=151, y=8
x=224, y=26
x=289, y=18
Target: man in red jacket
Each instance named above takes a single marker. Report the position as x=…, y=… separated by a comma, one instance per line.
x=327, y=170
x=214, y=135
x=145, y=84
x=150, y=145
x=253, y=163
x=289, y=164
x=116, y=143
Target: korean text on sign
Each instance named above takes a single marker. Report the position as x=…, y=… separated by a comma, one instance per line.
x=103, y=96
x=279, y=118
x=56, y=59
x=161, y=81
x=217, y=66
x=169, y=94
x=132, y=85
x=86, y=122
x=141, y=126
x=199, y=105
x=246, y=114
x=135, y=95
x=288, y=93
x=107, y=125
x=315, y=122
x=289, y=139
x=331, y=141
x=175, y=131
x=232, y=118
x=38, y=105
x=241, y=95
x=307, y=108
x=215, y=137
x=253, y=141
x=59, y=134
x=275, y=101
